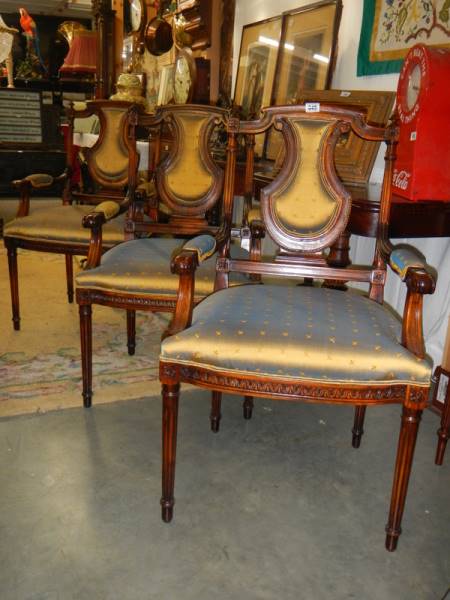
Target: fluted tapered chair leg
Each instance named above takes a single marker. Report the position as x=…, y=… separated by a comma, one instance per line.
x=215, y=416
x=131, y=331
x=14, y=286
x=86, y=352
x=247, y=407
x=358, y=425
x=170, y=396
x=69, y=277
x=405, y=452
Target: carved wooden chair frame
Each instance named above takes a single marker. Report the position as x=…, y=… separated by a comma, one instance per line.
x=184, y=221
x=119, y=191
x=304, y=258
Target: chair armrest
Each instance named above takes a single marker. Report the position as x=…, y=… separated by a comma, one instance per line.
x=184, y=264
x=101, y=214
x=30, y=182
x=402, y=258
x=420, y=279
x=36, y=180
x=109, y=208
x=203, y=245
x=144, y=201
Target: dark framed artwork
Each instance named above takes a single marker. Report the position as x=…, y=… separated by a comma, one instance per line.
x=258, y=57
x=256, y=68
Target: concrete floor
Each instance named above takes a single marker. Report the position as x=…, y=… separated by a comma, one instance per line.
x=280, y=507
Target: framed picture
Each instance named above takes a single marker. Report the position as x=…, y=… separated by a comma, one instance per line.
x=153, y=67
x=256, y=69
x=354, y=157
x=306, y=57
x=166, y=82
x=390, y=29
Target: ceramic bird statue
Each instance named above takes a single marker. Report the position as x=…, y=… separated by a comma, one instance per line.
x=31, y=34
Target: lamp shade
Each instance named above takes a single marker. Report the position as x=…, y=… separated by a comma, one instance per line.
x=82, y=55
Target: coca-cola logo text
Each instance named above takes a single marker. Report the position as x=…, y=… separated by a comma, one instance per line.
x=400, y=179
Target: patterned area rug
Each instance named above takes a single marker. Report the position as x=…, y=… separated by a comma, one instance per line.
x=40, y=364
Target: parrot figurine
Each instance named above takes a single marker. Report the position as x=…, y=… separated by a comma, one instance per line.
x=31, y=34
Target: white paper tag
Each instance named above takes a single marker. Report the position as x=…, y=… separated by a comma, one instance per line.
x=413, y=136
x=312, y=107
x=345, y=94
x=442, y=388
x=245, y=243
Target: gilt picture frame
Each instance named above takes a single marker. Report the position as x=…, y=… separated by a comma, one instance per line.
x=355, y=157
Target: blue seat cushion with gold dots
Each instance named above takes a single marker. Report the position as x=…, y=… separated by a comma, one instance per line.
x=301, y=333
x=143, y=267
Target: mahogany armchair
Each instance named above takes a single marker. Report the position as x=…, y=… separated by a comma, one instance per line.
x=112, y=164
x=300, y=342
x=136, y=275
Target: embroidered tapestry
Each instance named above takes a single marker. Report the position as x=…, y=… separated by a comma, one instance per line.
x=390, y=27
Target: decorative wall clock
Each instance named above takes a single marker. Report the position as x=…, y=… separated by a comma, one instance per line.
x=184, y=77
x=135, y=17
x=421, y=169
x=137, y=9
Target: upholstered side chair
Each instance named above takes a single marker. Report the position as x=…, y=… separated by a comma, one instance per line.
x=112, y=165
x=299, y=342
x=136, y=275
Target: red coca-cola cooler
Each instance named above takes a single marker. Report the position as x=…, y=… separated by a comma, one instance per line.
x=422, y=166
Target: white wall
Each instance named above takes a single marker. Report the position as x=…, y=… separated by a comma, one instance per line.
x=436, y=250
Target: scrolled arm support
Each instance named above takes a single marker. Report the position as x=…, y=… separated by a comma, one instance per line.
x=418, y=284
x=420, y=279
x=184, y=265
x=101, y=214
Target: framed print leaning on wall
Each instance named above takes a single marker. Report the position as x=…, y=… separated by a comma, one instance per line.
x=256, y=67
x=307, y=49
x=306, y=57
x=256, y=70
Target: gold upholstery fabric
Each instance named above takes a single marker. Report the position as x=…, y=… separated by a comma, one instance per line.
x=62, y=223
x=301, y=333
x=110, y=159
x=189, y=179
x=109, y=208
x=143, y=267
x=254, y=214
x=306, y=206
x=148, y=187
x=40, y=180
